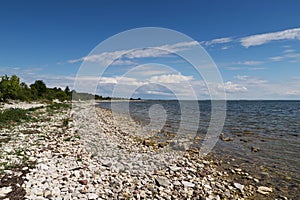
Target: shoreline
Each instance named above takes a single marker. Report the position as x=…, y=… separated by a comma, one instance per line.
x=61, y=162
x=238, y=149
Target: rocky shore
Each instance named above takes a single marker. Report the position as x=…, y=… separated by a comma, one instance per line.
x=71, y=154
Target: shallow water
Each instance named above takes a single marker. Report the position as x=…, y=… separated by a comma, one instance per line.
x=273, y=126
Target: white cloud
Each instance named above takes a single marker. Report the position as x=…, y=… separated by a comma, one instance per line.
x=107, y=58
x=123, y=62
x=225, y=47
x=242, y=77
x=170, y=78
x=104, y=58
x=156, y=85
x=286, y=46
x=145, y=71
x=159, y=93
x=234, y=68
x=289, y=51
x=259, y=39
x=219, y=41
x=293, y=57
x=234, y=87
x=277, y=58
x=121, y=80
x=250, y=62
x=244, y=68
x=256, y=68
x=292, y=92
x=108, y=80
x=247, y=80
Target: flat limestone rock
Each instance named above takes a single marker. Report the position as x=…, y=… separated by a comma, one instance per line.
x=4, y=191
x=264, y=190
x=239, y=186
x=162, y=181
x=187, y=184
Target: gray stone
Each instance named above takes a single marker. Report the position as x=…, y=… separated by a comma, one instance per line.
x=177, y=183
x=174, y=168
x=92, y=196
x=106, y=163
x=187, y=184
x=255, y=149
x=239, y=186
x=162, y=181
x=4, y=191
x=264, y=190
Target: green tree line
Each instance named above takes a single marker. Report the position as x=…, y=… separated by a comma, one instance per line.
x=11, y=88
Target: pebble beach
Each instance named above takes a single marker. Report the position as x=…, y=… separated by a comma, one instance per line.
x=69, y=153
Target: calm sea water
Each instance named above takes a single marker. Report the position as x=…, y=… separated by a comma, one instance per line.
x=273, y=126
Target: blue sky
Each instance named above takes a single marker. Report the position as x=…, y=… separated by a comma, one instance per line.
x=255, y=44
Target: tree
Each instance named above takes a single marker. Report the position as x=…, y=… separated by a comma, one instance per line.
x=9, y=87
x=38, y=89
x=67, y=90
x=24, y=93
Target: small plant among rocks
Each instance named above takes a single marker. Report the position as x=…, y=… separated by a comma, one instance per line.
x=12, y=116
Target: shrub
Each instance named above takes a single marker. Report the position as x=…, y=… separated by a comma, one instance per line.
x=12, y=115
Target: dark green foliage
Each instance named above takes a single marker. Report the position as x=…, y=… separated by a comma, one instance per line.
x=12, y=115
x=11, y=88
x=57, y=106
x=56, y=93
x=38, y=88
x=82, y=96
x=24, y=92
x=68, y=91
x=67, y=139
x=86, y=96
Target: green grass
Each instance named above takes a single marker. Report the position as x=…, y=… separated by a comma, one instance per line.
x=55, y=107
x=12, y=116
x=58, y=106
x=19, y=152
x=77, y=136
x=67, y=139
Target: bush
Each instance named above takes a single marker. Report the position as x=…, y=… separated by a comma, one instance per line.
x=12, y=115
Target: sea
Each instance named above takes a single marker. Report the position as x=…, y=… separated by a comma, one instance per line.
x=272, y=126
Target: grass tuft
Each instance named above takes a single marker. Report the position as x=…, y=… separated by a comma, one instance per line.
x=12, y=116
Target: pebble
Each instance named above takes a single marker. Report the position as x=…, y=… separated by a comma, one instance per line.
x=255, y=149
x=174, y=168
x=162, y=181
x=92, y=196
x=239, y=186
x=264, y=190
x=177, y=183
x=188, y=184
x=4, y=191
x=83, y=182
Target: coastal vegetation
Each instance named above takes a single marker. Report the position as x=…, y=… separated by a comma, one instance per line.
x=12, y=115
x=11, y=88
